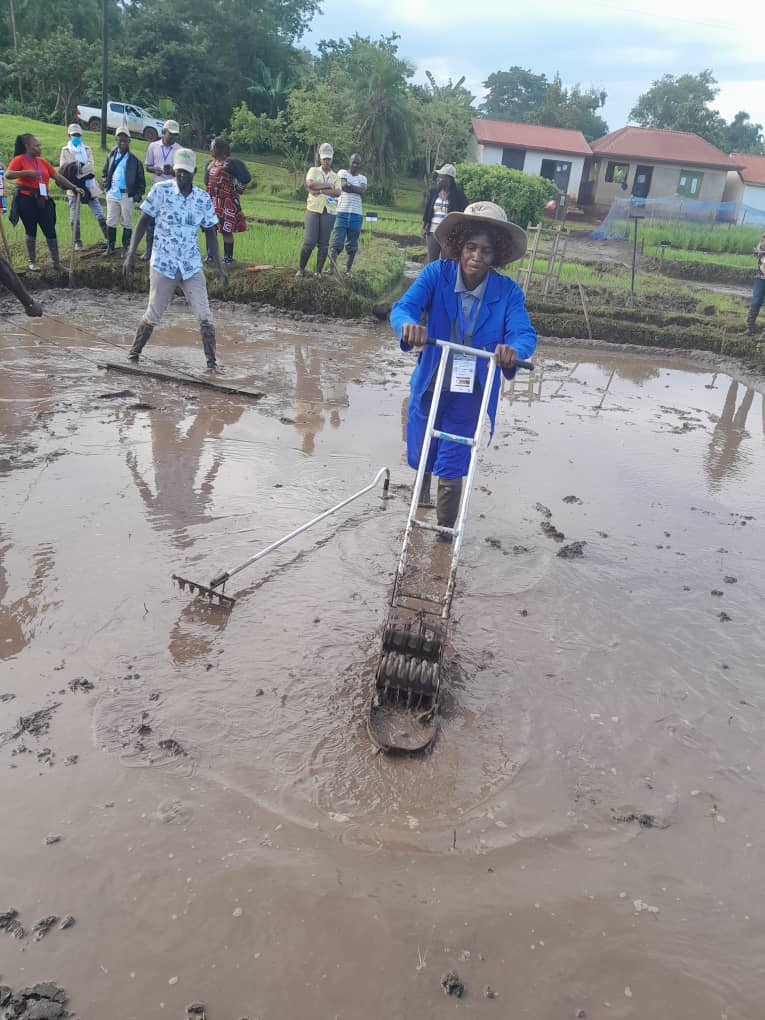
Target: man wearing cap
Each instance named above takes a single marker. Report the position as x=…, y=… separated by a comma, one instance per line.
x=159, y=163
x=177, y=209
x=446, y=197
x=76, y=163
x=124, y=183
x=467, y=303
x=323, y=186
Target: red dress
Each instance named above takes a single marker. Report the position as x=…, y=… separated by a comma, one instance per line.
x=224, y=189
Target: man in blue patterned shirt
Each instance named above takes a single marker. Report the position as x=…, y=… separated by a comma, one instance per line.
x=178, y=210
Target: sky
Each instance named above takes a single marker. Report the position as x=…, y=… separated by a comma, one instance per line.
x=622, y=49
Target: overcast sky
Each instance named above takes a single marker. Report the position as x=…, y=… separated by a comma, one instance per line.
x=619, y=48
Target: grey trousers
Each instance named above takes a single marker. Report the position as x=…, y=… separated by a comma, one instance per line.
x=434, y=248
x=316, y=234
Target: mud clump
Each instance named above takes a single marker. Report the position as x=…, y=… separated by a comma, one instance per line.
x=552, y=532
x=36, y=724
x=572, y=499
x=115, y=394
x=452, y=984
x=80, y=684
x=43, y=926
x=572, y=551
x=644, y=820
x=43, y=1001
x=172, y=747
x=9, y=922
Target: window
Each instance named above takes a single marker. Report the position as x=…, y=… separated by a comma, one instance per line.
x=118, y=107
x=689, y=183
x=616, y=173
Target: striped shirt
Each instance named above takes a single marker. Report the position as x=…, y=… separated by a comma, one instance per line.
x=349, y=201
x=440, y=209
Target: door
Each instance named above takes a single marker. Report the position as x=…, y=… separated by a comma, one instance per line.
x=641, y=182
x=558, y=171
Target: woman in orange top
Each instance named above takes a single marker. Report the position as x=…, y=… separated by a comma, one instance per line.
x=35, y=206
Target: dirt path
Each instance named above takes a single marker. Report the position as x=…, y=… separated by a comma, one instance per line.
x=586, y=834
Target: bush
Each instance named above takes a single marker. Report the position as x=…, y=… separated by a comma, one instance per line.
x=248, y=133
x=522, y=196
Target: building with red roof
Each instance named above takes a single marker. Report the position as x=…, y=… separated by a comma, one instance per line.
x=746, y=185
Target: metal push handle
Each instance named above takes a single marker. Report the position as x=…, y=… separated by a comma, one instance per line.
x=477, y=352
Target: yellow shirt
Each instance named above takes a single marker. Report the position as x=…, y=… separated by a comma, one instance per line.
x=318, y=203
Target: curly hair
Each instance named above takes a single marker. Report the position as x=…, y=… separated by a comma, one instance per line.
x=220, y=148
x=455, y=240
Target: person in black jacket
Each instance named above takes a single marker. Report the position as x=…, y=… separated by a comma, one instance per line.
x=446, y=197
x=124, y=184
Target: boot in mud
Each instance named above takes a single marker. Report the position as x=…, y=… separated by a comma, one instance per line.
x=349, y=262
x=208, y=343
x=331, y=268
x=142, y=335
x=31, y=247
x=111, y=242
x=751, y=320
x=54, y=256
x=426, y=497
x=448, y=497
x=103, y=228
x=126, y=235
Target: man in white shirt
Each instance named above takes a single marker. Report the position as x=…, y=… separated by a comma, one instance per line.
x=159, y=164
x=178, y=210
x=348, y=221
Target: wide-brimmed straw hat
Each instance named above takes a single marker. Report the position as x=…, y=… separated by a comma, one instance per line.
x=489, y=213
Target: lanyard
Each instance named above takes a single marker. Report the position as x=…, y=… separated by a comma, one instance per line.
x=165, y=155
x=466, y=328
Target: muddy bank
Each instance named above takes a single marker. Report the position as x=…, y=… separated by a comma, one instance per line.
x=588, y=822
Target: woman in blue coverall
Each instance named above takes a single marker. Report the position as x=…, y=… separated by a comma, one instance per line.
x=466, y=302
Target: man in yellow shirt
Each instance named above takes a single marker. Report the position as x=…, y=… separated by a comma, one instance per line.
x=323, y=187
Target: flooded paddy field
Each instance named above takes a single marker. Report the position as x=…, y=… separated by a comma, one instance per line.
x=586, y=833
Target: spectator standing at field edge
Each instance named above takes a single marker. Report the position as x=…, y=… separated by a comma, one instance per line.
x=353, y=187
x=323, y=186
x=178, y=210
x=446, y=197
x=76, y=163
x=159, y=164
x=225, y=180
x=125, y=184
x=32, y=199
x=758, y=288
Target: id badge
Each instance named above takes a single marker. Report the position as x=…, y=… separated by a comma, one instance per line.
x=463, y=373
x=43, y=189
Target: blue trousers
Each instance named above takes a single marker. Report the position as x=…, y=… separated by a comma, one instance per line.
x=758, y=296
x=346, y=233
x=457, y=413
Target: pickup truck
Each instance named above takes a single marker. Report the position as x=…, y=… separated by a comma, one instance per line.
x=139, y=123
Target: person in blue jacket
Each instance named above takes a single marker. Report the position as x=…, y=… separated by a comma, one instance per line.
x=466, y=302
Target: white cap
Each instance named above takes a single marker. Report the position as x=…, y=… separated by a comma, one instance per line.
x=447, y=170
x=326, y=151
x=121, y=131
x=74, y=129
x=172, y=127
x=184, y=159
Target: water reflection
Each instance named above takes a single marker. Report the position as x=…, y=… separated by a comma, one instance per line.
x=313, y=396
x=723, y=454
x=17, y=618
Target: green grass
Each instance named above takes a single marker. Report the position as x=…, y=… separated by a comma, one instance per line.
x=719, y=258
x=721, y=237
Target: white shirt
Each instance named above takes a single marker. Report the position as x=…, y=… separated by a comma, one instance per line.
x=176, y=228
x=348, y=201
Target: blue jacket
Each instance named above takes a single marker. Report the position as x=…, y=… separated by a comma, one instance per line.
x=502, y=319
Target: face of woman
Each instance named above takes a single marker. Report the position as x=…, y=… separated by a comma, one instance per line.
x=476, y=258
x=326, y=163
x=34, y=148
x=444, y=182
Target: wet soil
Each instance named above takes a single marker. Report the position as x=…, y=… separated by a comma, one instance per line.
x=585, y=837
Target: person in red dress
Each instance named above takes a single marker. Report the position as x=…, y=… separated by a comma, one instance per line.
x=226, y=179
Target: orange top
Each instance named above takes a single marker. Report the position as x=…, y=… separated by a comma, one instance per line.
x=29, y=185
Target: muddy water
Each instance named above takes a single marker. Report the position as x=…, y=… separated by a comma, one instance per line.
x=587, y=832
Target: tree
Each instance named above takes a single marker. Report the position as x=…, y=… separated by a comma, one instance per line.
x=273, y=88
x=571, y=108
x=513, y=94
x=443, y=121
x=316, y=114
x=61, y=63
x=682, y=104
x=743, y=136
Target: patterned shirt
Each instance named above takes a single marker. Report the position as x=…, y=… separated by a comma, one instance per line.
x=349, y=201
x=321, y=201
x=176, y=228
x=440, y=209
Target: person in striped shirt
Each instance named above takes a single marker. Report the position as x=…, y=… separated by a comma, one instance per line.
x=446, y=197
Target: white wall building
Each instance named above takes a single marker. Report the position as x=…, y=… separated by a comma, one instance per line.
x=746, y=186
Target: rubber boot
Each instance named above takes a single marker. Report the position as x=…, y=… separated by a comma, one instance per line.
x=228, y=252
x=349, y=262
x=208, y=343
x=103, y=228
x=111, y=241
x=332, y=261
x=448, y=501
x=142, y=335
x=53, y=249
x=31, y=246
x=751, y=319
x=426, y=498
x=321, y=258
x=77, y=239
x=126, y=235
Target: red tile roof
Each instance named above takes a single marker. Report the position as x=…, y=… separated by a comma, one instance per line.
x=530, y=136
x=752, y=167
x=660, y=146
